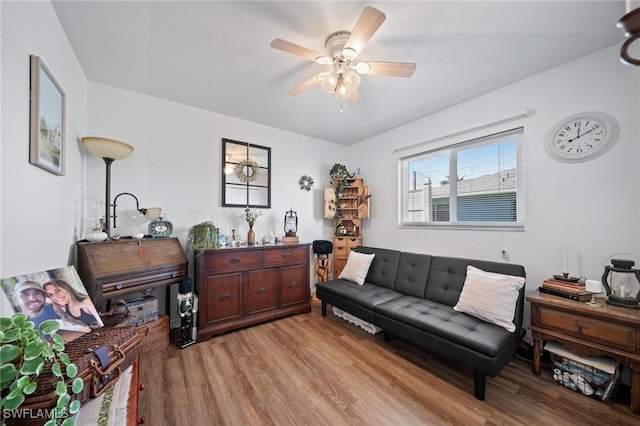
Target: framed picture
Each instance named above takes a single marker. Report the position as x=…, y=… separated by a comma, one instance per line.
x=56, y=294
x=47, y=119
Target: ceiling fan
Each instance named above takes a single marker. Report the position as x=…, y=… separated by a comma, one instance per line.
x=341, y=48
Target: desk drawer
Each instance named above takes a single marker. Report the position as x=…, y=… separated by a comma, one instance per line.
x=611, y=334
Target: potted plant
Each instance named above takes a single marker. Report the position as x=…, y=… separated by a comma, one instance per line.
x=25, y=354
x=203, y=236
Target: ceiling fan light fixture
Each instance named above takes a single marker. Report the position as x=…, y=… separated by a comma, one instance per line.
x=349, y=53
x=363, y=67
x=324, y=60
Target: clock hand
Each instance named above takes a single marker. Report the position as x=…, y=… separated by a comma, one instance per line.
x=581, y=135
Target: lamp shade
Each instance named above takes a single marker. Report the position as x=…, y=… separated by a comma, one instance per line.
x=593, y=286
x=107, y=148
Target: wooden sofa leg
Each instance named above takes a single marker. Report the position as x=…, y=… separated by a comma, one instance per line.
x=479, y=380
x=324, y=308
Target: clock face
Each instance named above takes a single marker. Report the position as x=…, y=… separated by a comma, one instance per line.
x=160, y=228
x=582, y=136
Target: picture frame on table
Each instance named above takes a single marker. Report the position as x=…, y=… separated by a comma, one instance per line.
x=47, y=118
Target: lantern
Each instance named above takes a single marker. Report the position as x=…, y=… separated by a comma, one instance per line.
x=622, y=283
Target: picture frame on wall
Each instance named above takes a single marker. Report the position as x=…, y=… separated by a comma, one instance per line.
x=46, y=120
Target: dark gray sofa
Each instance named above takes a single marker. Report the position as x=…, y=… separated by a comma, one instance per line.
x=411, y=296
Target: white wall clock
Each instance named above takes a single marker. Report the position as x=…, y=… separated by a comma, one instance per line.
x=582, y=137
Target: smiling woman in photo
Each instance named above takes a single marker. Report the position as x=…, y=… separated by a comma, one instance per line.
x=72, y=305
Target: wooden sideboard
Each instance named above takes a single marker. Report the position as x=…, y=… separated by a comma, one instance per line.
x=588, y=330
x=242, y=286
x=113, y=268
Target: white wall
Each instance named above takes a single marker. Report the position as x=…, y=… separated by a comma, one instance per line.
x=176, y=165
x=40, y=216
x=593, y=206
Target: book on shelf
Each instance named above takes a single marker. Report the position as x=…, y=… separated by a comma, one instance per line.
x=566, y=283
x=568, y=289
x=580, y=297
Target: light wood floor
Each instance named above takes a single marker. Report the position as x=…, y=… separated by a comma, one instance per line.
x=310, y=370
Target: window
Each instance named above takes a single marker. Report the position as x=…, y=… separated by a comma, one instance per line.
x=474, y=184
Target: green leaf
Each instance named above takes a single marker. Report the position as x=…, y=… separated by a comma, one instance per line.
x=30, y=388
x=32, y=366
x=56, y=370
x=11, y=335
x=77, y=385
x=68, y=421
x=61, y=388
x=19, y=320
x=8, y=372
x=33, y=350
x=8, y=353
x=49, y=326
x=51, y=422
x=5, y=322
x=64, y=358
x=63, y=401
x=22, y=382
x=58, y=347
x=58, y=339
x=72, y=371
x=13, y=403
x=74, y=407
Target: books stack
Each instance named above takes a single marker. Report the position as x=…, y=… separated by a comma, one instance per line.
x=566, y=289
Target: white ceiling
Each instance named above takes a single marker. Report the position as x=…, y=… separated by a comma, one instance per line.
x=215, y=55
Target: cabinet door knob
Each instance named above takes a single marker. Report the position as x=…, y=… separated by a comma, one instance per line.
x=224, y=297
x=286, y=255
x=235, y=260
x=174, y=274
x=119, y=286
x=293, y=284
x=262, y=290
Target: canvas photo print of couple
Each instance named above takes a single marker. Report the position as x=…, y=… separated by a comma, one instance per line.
x=56, y=294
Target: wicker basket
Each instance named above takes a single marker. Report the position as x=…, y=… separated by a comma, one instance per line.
x=122, y=343
x=154, y=336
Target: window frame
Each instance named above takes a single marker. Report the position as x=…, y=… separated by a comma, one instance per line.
x=452, y=150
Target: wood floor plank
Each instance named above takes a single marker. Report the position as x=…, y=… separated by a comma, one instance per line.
x=314, y=370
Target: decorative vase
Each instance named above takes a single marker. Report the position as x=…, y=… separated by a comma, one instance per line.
x=251, y=236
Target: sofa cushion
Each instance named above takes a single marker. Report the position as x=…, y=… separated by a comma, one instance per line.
x=447, y=276
x=412, y=275
x=489, y=296
x=441, y=320
x=367, y=295
x=384, y=266
x=357, y=267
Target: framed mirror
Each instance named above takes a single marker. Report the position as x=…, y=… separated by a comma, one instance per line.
x=246, y=175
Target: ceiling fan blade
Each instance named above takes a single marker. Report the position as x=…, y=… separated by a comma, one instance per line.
x=354, y=97
x=304, y=86
x=393, y=69
x=368, y=23
x=295, y=49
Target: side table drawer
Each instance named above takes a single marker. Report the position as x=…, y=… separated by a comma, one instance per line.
x=618, y=336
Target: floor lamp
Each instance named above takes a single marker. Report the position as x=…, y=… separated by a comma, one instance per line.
x=109, y=150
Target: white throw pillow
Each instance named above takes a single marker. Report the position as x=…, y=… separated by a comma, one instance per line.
x=357, y=267
x=489, y=296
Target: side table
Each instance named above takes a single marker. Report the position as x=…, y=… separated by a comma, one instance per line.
x=588, y=330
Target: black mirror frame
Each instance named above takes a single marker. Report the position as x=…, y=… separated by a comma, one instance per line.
x=244, y=184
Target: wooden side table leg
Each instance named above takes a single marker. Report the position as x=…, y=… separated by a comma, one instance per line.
x=635, y=387
x=535, y=367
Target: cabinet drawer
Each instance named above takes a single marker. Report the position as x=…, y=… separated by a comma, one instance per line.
x=232, y=261
x=591, y=329
x=286, y=255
